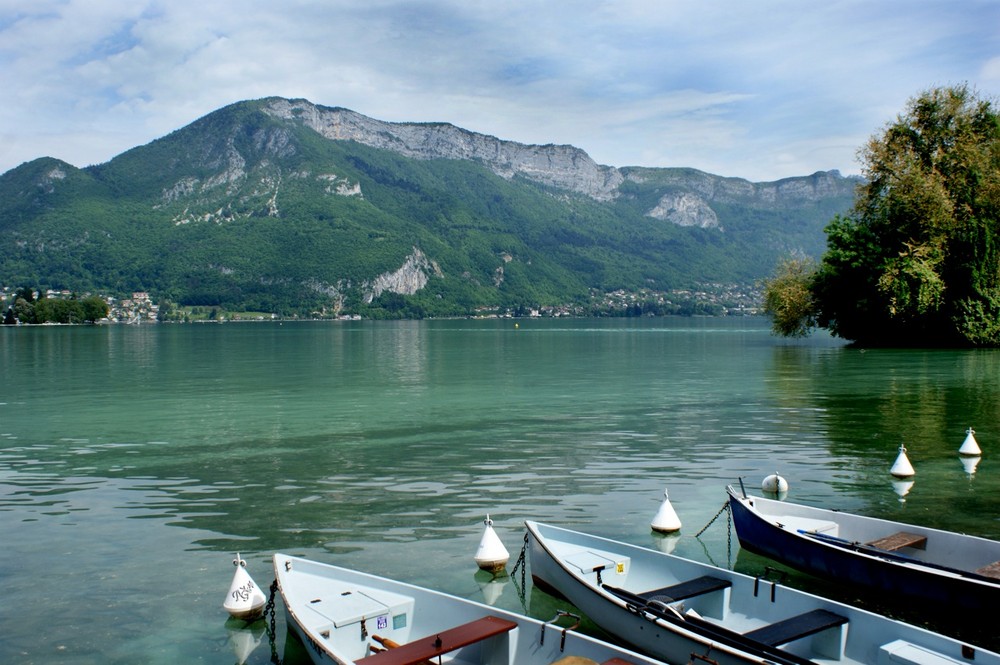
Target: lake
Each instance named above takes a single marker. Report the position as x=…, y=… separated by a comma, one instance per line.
x=136, y=461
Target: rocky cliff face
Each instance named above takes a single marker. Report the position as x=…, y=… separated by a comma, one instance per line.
x=412, y=276
x=561, y=166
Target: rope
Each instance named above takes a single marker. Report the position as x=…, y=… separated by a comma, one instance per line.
x=271, y=632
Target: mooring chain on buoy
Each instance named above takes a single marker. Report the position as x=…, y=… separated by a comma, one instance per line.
x=724, y=508
x=513, y=573
x=270, y=628
x=729, y=537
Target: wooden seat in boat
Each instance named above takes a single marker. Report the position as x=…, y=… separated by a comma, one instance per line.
x=426, y=648
x=899, y=540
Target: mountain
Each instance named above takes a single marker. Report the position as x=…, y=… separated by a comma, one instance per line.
x=285, y=206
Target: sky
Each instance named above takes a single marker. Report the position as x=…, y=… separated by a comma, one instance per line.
x=758, y=89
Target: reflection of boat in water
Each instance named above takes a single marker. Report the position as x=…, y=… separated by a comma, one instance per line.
x=941, y=568
x=677, y=609
x=345, y=616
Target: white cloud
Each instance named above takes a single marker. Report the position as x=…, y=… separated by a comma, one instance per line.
x=759, y=90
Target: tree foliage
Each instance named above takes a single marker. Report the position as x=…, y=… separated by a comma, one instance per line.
x=917, y=260
x=789, y=300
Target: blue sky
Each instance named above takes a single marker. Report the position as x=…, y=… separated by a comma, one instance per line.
x=761, y=90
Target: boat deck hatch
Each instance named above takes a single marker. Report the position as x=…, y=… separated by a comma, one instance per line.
x=588, y=561
x=350, y=607
x=795, y=523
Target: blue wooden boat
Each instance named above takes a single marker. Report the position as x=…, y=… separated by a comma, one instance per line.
x=941, y=568
x=683, y=611
x=347, y=617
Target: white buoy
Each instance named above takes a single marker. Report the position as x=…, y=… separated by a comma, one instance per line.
x=491, y=556
x=775, y=484
x=902, y=468
x=969, y=446
x=666, y=520
x=245, y=600
x=969, y=463
x=902, y=488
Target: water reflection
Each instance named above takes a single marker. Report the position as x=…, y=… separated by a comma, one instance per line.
x=382, y=446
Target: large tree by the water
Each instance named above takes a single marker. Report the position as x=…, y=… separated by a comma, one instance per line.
x=917, y=260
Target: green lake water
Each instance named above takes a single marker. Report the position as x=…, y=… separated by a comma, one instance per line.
x=135, y=461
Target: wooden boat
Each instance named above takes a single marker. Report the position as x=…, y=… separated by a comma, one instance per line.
x=909, y=562
x=683, y=611
x=344, y=616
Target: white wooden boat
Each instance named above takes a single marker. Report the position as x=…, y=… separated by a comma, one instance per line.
x=347, y=617
x=683, y=611
x=909, y=562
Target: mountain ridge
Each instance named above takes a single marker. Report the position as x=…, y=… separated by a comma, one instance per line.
x=287, y=205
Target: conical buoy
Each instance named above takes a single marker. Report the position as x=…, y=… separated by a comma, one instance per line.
x=666, y=520
x=902, y=468
x=491, y=556
x=775, y=484
x=245, y=600
x=969, y=446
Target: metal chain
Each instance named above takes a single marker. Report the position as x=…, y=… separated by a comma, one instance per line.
x=521, y=590
x=729, y=537
x=725, y=508
x=269, y=617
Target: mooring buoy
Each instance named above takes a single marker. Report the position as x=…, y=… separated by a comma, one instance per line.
x=245, y=600
x=970, y=447
x=491, y=556
x=775, y=484
x=666, y=520
x=902, y=468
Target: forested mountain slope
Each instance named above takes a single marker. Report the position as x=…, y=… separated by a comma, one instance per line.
x=284, y=206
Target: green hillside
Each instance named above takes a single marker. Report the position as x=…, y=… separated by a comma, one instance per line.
x=247, y=211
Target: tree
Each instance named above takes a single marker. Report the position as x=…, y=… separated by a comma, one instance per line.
x=788, y=299
x=94, y=308
x=917, y=260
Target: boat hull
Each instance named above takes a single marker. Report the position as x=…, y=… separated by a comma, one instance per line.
x=683, y=611
x=337, y=614
x=897, y=577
